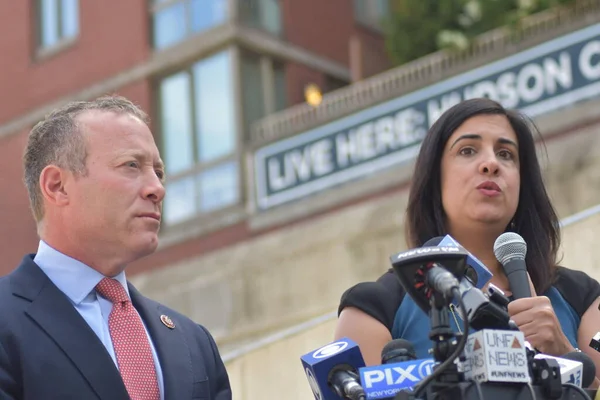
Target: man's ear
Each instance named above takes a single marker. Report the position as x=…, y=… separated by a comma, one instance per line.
x=52, y=184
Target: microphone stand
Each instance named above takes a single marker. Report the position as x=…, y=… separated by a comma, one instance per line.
x=444, y=343
x=451, y=385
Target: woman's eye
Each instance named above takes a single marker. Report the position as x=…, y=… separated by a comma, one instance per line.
x=466, y=151
x=505, y=154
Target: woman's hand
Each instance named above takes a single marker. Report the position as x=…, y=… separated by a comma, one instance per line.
x=535, y=317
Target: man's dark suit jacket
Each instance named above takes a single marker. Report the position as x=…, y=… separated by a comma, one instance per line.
x=48, y=351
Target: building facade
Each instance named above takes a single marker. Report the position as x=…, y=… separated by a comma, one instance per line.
x=275, y=207
x=204, y=70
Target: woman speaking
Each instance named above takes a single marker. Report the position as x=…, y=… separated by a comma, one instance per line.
x=476, y=177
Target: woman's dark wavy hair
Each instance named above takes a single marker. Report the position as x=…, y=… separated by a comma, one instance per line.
x=535, y=219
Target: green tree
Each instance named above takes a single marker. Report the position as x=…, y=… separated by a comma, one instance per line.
x=416, y=28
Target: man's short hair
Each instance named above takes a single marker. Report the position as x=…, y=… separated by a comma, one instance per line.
x=57, y=140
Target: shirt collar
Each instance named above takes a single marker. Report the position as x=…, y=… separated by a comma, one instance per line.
x=72, y=277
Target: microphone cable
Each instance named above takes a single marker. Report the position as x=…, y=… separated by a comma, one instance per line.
x=459, y=348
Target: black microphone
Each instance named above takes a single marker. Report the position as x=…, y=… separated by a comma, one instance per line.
x=442, y=281
x=483, y=311
x=426, y=270
x=438, y=278
x=346, y=384
x=398, y=350
x=510, y=250
x=589, y=368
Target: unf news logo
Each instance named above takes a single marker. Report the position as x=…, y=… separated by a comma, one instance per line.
x=425, y=250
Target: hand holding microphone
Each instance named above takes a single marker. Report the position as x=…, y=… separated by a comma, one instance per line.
x=534, y=316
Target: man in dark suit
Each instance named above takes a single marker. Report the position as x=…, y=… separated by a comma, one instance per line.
x=71, y=326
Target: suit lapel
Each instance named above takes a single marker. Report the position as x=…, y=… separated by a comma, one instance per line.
x=56, y=316
x=171, y=346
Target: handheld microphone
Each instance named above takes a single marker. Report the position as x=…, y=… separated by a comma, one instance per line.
x=510, y=250
x=332, y=371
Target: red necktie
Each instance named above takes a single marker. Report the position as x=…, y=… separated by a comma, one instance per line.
x=132, y=348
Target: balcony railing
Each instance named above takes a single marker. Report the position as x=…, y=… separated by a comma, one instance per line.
x=424, y=71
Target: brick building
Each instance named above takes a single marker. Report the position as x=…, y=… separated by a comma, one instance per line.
x=203, y=70
x=259, y=255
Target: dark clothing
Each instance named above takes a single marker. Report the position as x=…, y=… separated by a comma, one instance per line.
x=48, y=351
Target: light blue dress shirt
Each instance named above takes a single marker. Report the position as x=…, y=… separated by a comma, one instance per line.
x=77, y=281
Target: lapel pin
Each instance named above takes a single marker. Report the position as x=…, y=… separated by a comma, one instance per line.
x=168, y=322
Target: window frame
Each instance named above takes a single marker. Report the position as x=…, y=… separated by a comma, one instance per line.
x=44, y=51
x=155, y=6
x=253, y=24
x=267, y=65
x=198, y=166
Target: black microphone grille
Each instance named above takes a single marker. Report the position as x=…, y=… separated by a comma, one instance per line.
x=589, y=368
x=510, y=246
x=398, y=348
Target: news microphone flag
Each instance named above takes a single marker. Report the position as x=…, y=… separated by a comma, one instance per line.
x=571, y=371
x=383, y=381
x=496, y=356
x=318, y=365
x=483, y=274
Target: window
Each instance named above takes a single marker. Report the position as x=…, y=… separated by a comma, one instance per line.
x=58, y=21
x=280, y=85
x=197, y=113
x=261, y=14
x=371, y=12
x=174, y=20
x=263, y=87
x=332, y=83
x=253, y=93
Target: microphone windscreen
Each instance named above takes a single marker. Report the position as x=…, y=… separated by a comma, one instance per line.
x=398, y=350
x=509, y=245
x=589, y=368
